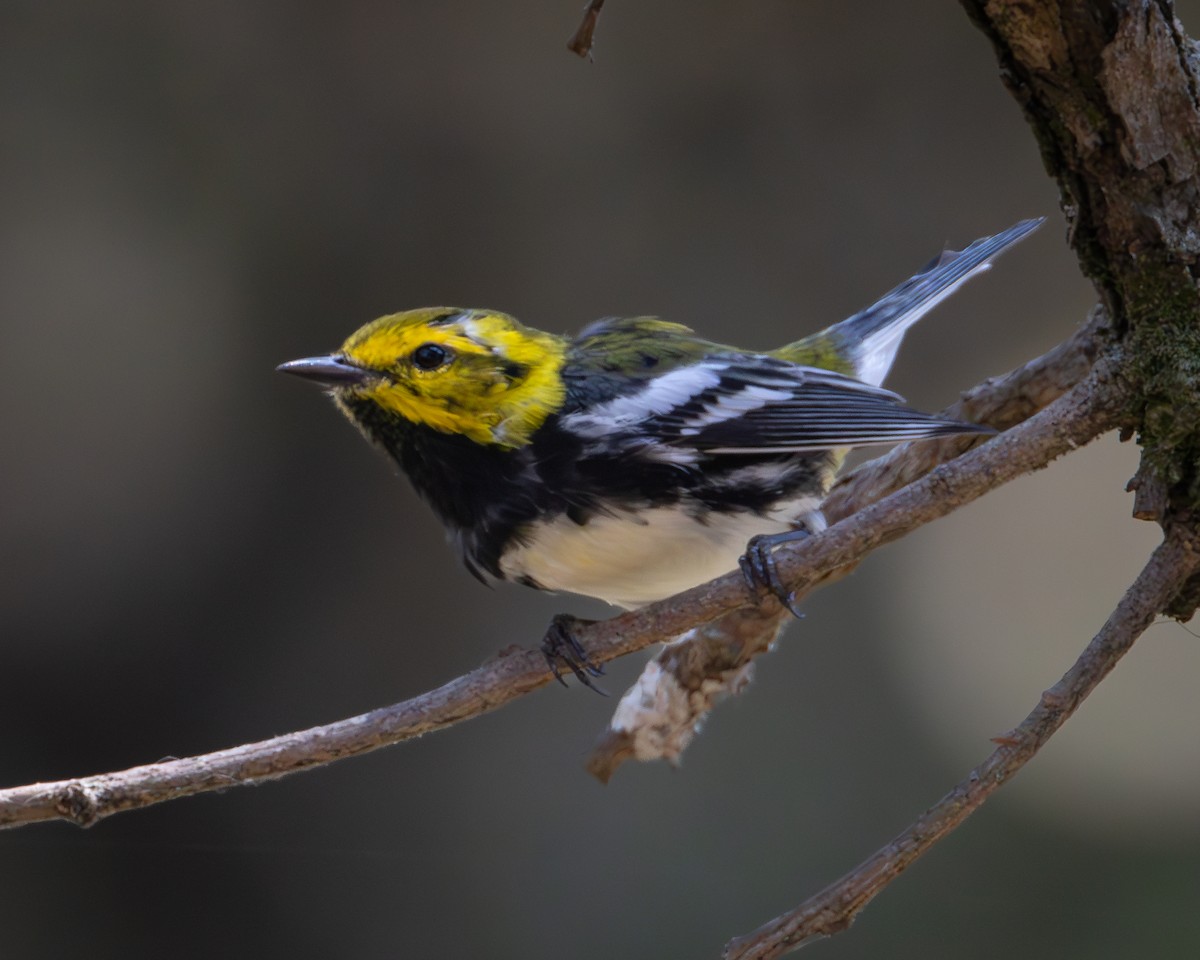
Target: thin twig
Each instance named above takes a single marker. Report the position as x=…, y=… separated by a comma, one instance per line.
x=581, y=42
x=1091, y=408
x=835, y=908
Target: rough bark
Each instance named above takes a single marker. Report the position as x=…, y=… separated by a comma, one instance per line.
x=1110, y=92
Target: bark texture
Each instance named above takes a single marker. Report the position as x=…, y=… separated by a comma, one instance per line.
x=1110, y=92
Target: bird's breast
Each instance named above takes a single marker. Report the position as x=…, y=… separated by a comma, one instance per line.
x=631, y=558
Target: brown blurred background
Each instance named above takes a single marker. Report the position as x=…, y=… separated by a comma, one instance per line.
x=196, y=552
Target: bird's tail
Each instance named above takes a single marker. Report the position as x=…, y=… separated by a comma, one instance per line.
x=869, y=339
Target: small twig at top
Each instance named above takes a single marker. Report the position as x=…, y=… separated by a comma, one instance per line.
x=581, y=42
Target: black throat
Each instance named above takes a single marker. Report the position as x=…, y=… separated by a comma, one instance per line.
x=472, y=487
x=458, y=477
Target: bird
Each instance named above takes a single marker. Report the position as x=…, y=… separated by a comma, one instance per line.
x=636, y=459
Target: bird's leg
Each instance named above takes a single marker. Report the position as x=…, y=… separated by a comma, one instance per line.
x=561, y=646
x=758, y=565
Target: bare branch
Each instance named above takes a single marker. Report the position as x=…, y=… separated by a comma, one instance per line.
x=835, y=908
x=581, y=42
x=1090, y=409
x=89, y=799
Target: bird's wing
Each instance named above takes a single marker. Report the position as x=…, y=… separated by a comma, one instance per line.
x=755, y=404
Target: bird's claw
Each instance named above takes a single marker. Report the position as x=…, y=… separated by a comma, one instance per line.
x=561, y=646
x=760, y=571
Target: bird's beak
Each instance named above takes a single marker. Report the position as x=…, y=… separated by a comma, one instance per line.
x=331, y=371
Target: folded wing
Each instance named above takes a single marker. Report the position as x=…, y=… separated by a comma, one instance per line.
x=762, y=405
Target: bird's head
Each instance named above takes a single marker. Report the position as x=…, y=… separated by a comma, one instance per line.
x=476, y=373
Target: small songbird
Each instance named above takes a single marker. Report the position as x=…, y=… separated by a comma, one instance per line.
x=637, y=459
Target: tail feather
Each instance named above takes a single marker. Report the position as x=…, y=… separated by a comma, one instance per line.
x=872, y=336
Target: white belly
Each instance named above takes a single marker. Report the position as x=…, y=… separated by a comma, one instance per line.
x=630, y=560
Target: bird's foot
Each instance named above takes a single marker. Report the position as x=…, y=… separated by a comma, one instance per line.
x=560, y=646
x=760, y=572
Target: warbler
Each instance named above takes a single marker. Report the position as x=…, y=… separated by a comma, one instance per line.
x=636, y=459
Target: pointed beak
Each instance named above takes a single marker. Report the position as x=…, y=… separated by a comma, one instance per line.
x=331, y=371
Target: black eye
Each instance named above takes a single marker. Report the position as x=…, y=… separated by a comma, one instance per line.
x=430, y=356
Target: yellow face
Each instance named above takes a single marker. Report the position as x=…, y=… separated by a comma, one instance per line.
x=473, y=372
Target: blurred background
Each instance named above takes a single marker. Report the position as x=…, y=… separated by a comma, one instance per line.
x=196, y=552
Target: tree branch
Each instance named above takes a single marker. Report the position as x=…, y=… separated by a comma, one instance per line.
x=836, y=907
x=581, y=41
x=1088, y=410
